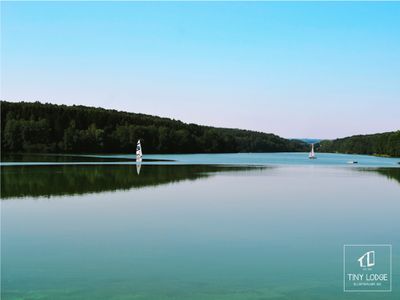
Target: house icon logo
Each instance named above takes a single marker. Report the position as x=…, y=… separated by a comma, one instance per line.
x=367, y=260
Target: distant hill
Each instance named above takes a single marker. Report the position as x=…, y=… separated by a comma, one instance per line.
x=36, y=127
x=387, y=144
x=309, y=141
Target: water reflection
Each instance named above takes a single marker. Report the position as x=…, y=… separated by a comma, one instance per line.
x=37, y=181
x=391, y=173
x=255, y=234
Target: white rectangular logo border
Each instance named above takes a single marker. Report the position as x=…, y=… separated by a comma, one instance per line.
x=344, y=268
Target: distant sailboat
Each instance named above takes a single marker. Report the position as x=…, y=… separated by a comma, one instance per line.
x=312, y=154
x=138, y=151
x=138, y=157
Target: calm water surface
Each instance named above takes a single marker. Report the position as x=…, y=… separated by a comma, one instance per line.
x=276, y=159
x=192, y=231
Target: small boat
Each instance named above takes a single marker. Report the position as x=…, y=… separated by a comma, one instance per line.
x=312, y=154
x=138, y=151
x=352, y=162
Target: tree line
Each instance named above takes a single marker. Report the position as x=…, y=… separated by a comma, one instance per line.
x=28, y=127
x=387, y=143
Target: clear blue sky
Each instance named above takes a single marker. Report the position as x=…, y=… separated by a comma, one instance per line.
x=309, y=69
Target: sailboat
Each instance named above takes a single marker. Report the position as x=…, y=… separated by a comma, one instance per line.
x=312, y=154
x=138, y=157
x=138, y=151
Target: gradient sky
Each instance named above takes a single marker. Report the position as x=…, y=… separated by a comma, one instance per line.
x=311, y=69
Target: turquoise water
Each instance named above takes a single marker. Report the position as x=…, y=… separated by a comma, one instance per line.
x=292, y=158
x=194, y=232
x=330, y=159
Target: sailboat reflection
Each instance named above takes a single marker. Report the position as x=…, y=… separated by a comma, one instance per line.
x=138, y=165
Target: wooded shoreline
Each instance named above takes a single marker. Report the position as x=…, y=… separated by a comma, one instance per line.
x=34, y=127
x=49, y=128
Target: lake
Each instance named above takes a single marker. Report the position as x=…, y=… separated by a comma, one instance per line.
x=206, y=226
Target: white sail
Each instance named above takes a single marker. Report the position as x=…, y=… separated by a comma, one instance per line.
x=312, y=154
x=138, y=150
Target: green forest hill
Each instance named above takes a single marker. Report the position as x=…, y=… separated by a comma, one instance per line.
x=385, y=144
x=37, y=128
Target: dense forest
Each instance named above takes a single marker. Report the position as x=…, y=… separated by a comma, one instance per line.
x=36, y=127
x=387, y=143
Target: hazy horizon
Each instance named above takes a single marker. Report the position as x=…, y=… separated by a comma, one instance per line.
x=298, y=70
